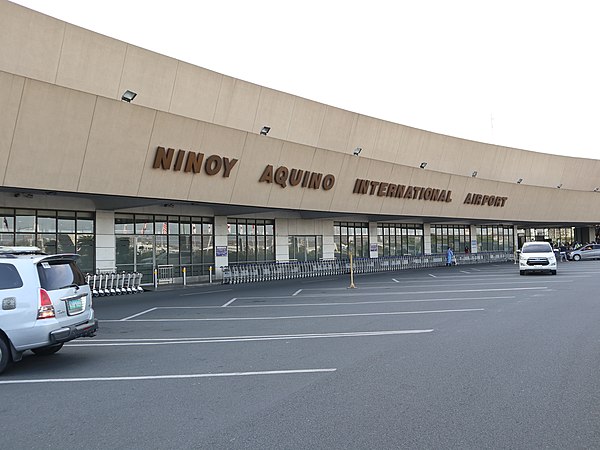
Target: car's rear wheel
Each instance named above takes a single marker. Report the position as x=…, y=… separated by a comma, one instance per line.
x=4, y=354
x=576, y=257
x=553, y=272
x=521, y=272
x=45, y=351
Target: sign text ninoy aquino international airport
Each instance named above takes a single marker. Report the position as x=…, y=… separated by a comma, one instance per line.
x=193, y=162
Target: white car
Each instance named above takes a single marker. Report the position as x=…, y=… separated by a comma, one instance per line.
x=537, y=257
x=44, y=302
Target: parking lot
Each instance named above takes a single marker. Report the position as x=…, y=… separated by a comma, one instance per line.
x=453, y=357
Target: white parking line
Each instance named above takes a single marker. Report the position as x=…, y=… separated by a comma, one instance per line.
x=137, y=315
x=206, y=292
x=395, y=281
x=212, y=340
x=169, y=377
x=364, y=294
x=432, y=275
x=315, y=316
x=229, y=302
x=373, y=302
x=297, y=292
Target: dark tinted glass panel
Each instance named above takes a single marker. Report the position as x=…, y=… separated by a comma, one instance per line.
x=59, y=274
x=9, y=277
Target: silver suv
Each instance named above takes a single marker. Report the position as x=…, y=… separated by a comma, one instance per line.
x=44, y=302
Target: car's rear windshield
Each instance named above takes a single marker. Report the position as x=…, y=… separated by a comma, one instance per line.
x=59, y=274
x=9, y=277
x=536, y=248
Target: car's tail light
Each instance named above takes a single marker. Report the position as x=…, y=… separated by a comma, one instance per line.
x=46, y=309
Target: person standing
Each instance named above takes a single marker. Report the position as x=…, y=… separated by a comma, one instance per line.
x=449, y=256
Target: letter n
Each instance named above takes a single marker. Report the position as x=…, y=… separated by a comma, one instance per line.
x=163, y=159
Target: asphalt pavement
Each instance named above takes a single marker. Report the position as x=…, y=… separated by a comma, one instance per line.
x=463, y=357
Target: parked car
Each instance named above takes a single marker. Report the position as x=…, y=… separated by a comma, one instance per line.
x=589, y=251
x=44, y=302
x=537, y=257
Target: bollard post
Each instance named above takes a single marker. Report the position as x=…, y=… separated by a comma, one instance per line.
x=184, y=276
x=155, y=279
x=351, y=274
x=210, y=269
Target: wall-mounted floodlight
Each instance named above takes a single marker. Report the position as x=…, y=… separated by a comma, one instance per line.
x=357, y=151
x=265, y=130
x=474, y=174
x=597, y=189
x=423, y=165
x=520, y=180
x=559, y=186
x=128, y=96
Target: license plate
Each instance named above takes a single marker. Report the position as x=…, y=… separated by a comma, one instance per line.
x=75, y=306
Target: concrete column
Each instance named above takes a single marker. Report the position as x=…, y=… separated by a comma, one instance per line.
x=328, y=242
x=591, y=234
x=427, y=238
x=221, y=256
x=105, y=241
x=373, y=253
x=282, y=247
x=473, y=245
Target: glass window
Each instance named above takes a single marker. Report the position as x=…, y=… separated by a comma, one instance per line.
x=25, y=221
x=250, y=240
x=144, y=224
x=8, y=220
x=9, y=277
x=46, y=222
x=123, y=224
x=59, y=274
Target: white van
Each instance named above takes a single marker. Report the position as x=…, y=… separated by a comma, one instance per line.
x=537, y=257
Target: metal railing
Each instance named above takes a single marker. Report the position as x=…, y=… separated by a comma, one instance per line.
x=114, y=283
x=259, y=272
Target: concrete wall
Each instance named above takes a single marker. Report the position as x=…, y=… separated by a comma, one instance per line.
x=41, y=48
x=59, y=139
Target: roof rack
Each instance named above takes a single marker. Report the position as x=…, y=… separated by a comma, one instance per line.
x=21, y=250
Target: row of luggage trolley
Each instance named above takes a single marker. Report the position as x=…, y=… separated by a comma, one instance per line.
x=115, y=283
x=256, y=272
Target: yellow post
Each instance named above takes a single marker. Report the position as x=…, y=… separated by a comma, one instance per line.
x=351, y=274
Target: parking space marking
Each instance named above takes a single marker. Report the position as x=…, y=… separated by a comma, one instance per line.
x=137, y=315
x=313, y=316
x=374, y=302
x=432, y=275
x=225, y=339
x=297, y=292
x=229, y=302
x=206, y=292
x=395, y=281
x=169, y=377
x=363, y=294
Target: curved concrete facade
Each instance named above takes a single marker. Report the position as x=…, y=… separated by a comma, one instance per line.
x=65, y=130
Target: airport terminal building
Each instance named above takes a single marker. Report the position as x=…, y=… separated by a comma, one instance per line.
x=134, y=159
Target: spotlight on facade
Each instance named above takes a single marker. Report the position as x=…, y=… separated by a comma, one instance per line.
x=559, y=186
x=423, y=165
x=128, y=96
x=265, y=131
x=597, y=189
x=520, y=180
x=474, y=174
x=357, y=151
